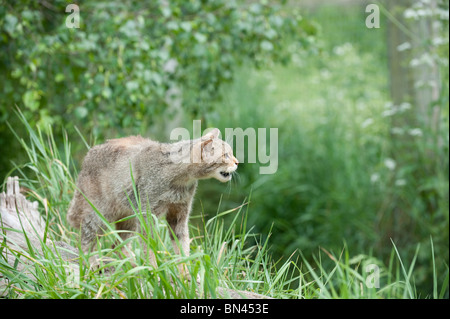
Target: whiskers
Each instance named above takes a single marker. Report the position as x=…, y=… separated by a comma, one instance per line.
x=235, y=180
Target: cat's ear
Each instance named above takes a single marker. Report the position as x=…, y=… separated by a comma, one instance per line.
x=201, y=147
x=207, y=150
x=214, y=133
x=206, y=145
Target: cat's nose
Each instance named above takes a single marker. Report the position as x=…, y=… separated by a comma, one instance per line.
x=236, y=162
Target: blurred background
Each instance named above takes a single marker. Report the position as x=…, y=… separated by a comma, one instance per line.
x=362, y=112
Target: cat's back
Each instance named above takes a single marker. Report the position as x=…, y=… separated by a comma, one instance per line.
x=127, y=142
x=112, y=153
x=107, y=166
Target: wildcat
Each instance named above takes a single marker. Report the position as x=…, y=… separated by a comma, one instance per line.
x=165, y=176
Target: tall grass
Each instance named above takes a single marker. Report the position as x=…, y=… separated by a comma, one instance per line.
x=220, y=256
x=225, y=252
x=352, y=167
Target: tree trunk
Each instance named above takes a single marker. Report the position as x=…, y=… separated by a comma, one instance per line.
x=414, y=75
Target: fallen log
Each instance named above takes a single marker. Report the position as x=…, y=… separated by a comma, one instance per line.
x=22, y=227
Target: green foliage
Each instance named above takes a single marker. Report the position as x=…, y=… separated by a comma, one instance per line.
x=130, y=60
x=353, y=167
x=131, y=64
x=222, y=254
x=219, y=256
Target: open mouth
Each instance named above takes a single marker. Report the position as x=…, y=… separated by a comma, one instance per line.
x=225, y=174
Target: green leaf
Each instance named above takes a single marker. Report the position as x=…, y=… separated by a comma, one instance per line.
x=81, y=112
x=106, y=92
x=266, y=45
x=10, y=24
x=31, y=100
x=200, y=37
x=132, y=85
x=59, y=77
x=186, y=26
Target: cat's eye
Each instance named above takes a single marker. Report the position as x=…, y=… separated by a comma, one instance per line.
x=227, y=156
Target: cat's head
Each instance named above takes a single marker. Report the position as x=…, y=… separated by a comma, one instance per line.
x=214, y=157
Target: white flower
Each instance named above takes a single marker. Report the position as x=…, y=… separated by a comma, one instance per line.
x=415, y=132
x=324, y=73
x=390, y=112
x=388, y=105
x=375, y=177
x=405, y=106
x=342, y=49
x=390, y=163
x=170, y=66
x=439, y=41
x=400, y=182
x=425, y=59
x=404, y=46
x=414, y=63
x=367, y=122
x=443, y=14
x=397, y=131
x=410, y=14
x=424, y=12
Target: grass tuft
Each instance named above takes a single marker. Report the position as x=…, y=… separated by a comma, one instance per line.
x=225, y=252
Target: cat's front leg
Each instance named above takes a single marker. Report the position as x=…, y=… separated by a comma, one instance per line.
x=91, y=227
x=177, y=218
